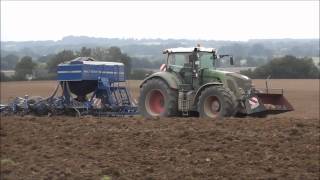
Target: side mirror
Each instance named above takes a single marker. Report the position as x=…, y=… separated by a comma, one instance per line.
x=231, y=60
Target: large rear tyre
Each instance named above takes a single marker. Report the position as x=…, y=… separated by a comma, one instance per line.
x=216, y=102
x=157, y=99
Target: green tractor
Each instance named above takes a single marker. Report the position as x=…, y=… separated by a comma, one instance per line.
x=189, y=84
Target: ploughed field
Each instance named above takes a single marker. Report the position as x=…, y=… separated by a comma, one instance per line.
x=284, y=146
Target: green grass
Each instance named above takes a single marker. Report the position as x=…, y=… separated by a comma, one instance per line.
x=105, y=177
x=7, y=161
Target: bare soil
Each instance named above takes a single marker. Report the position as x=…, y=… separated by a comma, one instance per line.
x=284, y=146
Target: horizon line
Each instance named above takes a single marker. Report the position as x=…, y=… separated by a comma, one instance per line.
x=155, y=38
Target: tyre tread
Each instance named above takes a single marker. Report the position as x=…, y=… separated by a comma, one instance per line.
x=172, y=106
x=228, y=97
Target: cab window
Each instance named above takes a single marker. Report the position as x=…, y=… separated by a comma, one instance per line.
x=206, y=60
x=178, y=59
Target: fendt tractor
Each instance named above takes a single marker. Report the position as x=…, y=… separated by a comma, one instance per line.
x=189, y=84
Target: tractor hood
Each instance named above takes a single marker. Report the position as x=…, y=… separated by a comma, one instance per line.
x=233, y=80
x=237, y=75
x=242, y=81
x=221, y=74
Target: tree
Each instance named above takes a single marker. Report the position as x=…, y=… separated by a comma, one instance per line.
x=85, y=52
x=9, y=62
x=46, y=58
x=99, y=53
x=24, y=66
x=259, y=50
x=116, y=55
x=63, y=56
x=112, y=54
x=286, y=67
x=126, y=60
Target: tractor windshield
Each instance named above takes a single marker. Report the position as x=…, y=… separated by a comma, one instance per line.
x=178, y=60
x=206, y=59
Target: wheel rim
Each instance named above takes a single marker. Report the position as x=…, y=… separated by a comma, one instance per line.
x=212, y=106
x=155, y=102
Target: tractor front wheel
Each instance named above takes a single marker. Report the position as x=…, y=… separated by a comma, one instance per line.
x=157, y=99
x=216, y=102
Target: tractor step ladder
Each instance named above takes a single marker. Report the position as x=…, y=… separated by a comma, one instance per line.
x=124, y=96
x=183, y=103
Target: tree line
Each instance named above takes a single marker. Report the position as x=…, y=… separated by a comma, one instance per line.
x=45, y=67
x=287, y=67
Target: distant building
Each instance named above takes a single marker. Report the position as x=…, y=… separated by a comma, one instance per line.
x=8, y=73
x=316, y=61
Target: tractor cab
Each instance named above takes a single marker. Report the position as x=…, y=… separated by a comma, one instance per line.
x=191, y=64
x=196, y=58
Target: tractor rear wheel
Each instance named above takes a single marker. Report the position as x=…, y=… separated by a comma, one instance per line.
x=216, y=102
x=157, y=99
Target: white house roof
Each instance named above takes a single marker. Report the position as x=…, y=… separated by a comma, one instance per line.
x=191, y=49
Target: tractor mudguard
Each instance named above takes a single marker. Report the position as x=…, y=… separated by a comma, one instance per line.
x=205, y=86
x=167, y=77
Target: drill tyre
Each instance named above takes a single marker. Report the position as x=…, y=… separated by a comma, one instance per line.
x=216, y=102
x=157, y=99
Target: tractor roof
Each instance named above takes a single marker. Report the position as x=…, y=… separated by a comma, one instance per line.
x=191, y=49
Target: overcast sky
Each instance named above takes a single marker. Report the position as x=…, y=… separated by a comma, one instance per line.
x=217, y=20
